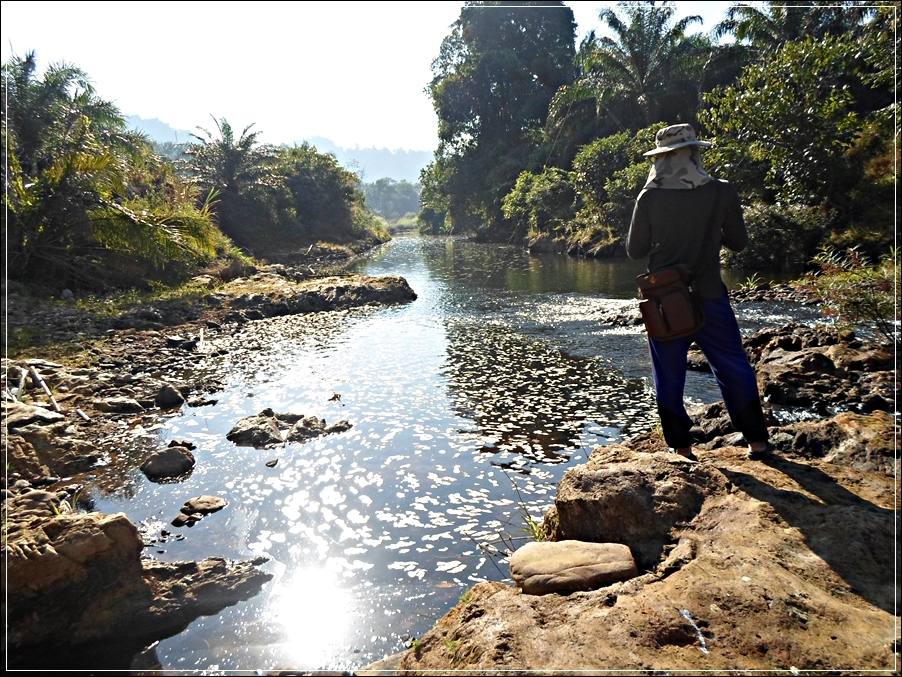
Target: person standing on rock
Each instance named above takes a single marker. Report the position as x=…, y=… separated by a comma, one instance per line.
x=674, y=223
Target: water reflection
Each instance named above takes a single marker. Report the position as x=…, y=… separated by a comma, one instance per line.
x=528, y=397
x=314, y=612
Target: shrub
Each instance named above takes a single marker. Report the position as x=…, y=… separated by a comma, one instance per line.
x=856, y=292
x=781, y=238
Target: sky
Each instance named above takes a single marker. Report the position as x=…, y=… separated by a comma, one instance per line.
x=352, y=72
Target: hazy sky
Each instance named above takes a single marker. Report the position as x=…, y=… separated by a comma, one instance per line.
x=352, y=72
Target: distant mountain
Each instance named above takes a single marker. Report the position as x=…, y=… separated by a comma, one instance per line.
x=157, y=130
x=376, y=163
x=370, y=163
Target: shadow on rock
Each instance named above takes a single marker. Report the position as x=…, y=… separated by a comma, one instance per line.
x=852, y=535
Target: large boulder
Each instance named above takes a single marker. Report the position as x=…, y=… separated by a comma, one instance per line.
x=540, y=568
x=634, y=498
x=169, y=462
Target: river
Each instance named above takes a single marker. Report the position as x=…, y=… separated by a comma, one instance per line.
x=467, y=406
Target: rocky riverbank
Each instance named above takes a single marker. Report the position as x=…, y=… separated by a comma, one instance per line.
x=784, y=563
x=77, y=579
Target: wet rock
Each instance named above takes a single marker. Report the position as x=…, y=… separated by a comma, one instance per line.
x=190, y=446
x=268, y=429
x=272, y=463
x=175, y=340
x=169, y=462
x=18, y=414
x=201, y=402
x=78, y=577
x=634, y=498
x=169, y=397
x=541, y=568
x=204, y=505
x=119, y=405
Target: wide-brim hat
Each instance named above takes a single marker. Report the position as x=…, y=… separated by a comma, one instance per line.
x=675, y=136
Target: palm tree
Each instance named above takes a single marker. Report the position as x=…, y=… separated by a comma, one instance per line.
x=70, y=160
x=777, y=23
x=237, y=170
x=643, y=73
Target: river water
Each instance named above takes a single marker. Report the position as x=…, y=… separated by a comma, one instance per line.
x=467, y=406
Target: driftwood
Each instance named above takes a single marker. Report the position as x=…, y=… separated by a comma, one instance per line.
x=40, y=381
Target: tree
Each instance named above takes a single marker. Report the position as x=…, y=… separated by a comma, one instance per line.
x=649, y=70
x=494, y=76
x=770, y=27
x=239, y=172
x=78, y=184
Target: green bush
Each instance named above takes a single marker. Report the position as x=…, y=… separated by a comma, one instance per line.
x=780, y=237
x=854, y=291
x=541, y=203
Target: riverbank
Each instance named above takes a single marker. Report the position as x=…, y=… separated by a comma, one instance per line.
x=783, y=563
x=78, y=580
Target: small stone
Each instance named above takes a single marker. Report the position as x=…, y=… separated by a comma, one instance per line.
x=119, y=405
x=169, y=397
x=174, y=341
x=204, y=504
x=272, y=463
x=183, y=443
x=180, y=520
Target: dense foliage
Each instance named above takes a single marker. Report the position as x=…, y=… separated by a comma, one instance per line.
x=800, y=106
x=90, y=203
x=392, y=199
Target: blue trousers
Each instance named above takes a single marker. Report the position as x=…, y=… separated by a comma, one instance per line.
x=721, y=343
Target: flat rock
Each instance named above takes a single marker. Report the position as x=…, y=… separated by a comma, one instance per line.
x=169, y=462
x=119, y=405
x=18, y=414
x=540, y=568
x=203, y=505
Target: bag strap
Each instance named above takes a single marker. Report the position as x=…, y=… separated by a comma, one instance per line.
x=711, y=221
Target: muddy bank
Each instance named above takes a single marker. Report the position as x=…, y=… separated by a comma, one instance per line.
x=77, y=579
x=744, y=564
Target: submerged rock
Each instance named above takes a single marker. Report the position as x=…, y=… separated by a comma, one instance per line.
x=268, y=429
x=567, y=566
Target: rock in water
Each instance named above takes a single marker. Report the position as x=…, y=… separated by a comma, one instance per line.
x=170, y=462
x=204, y=504
x=268, y=429
x=568, y=566
x=169, y=397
